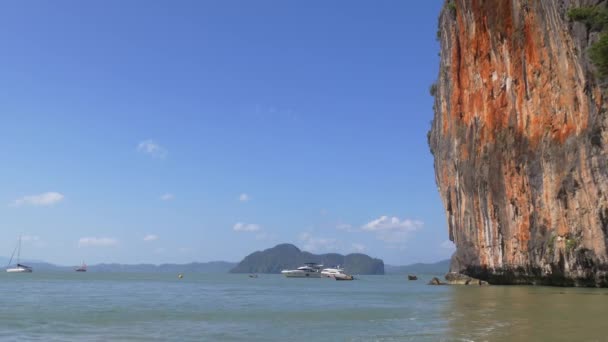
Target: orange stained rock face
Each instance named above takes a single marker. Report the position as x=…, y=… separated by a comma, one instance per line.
x=512, y=121
x=493, y=62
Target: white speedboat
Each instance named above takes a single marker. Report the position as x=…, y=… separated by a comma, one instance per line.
x=309, y=270
x=331, y=272
x=19, y=268
x=336, y=273
x=343, y=276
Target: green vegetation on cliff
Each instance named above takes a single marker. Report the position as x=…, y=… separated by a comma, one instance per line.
x=598, y=53
x=287, y=256
x=596, y=19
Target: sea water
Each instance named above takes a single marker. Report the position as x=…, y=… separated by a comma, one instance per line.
x=233, y=307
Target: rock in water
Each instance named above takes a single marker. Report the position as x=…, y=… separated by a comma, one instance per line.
x=519, y=142
x=436, y=281
x=412, y=277
x=454, y=278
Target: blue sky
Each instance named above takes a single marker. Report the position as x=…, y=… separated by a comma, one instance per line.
x=157, y=131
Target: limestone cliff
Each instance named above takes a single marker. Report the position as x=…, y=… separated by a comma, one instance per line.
x=519, y=142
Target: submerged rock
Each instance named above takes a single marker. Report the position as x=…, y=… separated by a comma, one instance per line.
x=436, y=281
x=454, y=278
x=519, y=143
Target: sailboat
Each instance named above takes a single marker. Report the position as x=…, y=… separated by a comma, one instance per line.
x=82, y=268
x=19, y=268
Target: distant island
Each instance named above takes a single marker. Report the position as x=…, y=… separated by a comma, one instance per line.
x=438, y=268
x=193, y=267
x=288, y=256
x=272, y=260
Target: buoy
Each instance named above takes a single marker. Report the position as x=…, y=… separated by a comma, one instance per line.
x=180, y=276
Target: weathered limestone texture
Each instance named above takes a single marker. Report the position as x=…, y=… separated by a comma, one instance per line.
x=519, y=142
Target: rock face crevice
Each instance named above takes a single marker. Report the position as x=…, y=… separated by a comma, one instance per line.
x=519, y=143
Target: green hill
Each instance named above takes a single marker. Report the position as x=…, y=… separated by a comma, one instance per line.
x=439, y=268
x=288, y=256
x=193, y=267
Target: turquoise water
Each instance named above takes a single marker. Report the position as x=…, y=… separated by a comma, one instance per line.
x=228, y=307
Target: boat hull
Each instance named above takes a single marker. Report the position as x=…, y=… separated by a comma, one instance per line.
x=336, y=273
x=328, y=274
x=19, y=270
x=342, y=276
x=295, y=274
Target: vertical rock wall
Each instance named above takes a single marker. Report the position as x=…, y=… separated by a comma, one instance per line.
x=519, y=142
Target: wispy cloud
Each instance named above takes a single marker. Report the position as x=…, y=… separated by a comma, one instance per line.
x=167, y=197
x=385, y=223
x=97, y=242
x=271, y=112
x=447, y=244
x=315, y=244
x=244, y=197
x=150, y=237
x=357, y=247
x=30, y=238
x=392, y=230
x=44, y=199
x=264, y=236
x=152, y=148
x=345, y=227
x=34, y=240
x=246, y=227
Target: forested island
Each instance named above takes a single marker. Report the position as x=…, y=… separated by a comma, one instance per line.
x=288, y=256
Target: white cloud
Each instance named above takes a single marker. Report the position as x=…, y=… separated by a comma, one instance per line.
x=44, y=199
x=246, y=227
x=314, y=244
x=447, y=244
x=263, y=236
x=311, y=243
x=150, y=237
x=392, y=223
x=392, y=229
x=151, y=148
x=30, y=238
x=34, y=240
x=357, y=247
x=97, y=242
x=244, y=197
x=345, y=227
x=167, y=197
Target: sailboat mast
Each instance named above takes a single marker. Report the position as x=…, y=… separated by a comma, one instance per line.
x=13, y=255
x=19, y=250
